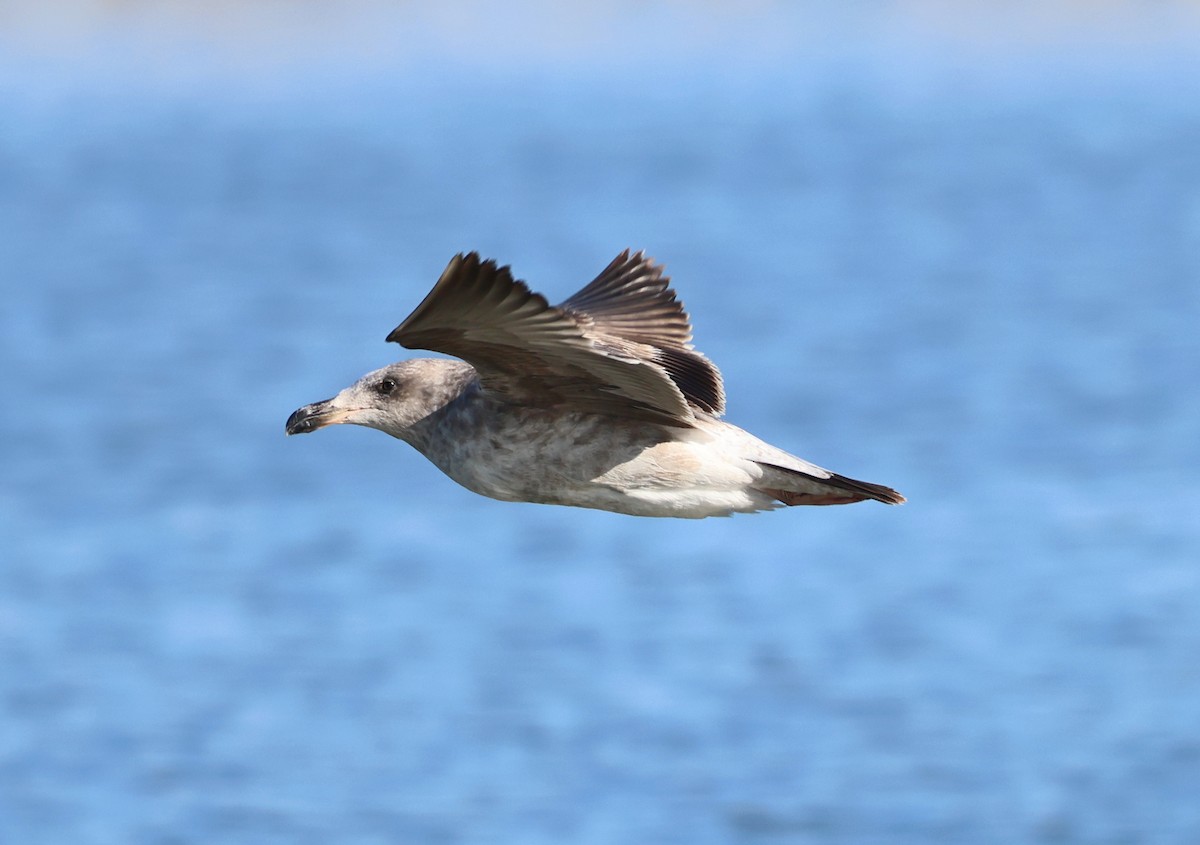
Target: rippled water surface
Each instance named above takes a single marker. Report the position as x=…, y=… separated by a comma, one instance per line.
x=976, y=282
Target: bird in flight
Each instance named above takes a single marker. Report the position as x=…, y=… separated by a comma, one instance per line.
x=600, y=402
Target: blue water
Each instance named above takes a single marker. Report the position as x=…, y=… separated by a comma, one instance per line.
x=981, y=288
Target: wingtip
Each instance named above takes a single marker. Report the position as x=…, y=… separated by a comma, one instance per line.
x=880, y=493
x=867, y=490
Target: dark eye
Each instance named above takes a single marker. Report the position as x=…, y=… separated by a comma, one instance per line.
x=386, y=386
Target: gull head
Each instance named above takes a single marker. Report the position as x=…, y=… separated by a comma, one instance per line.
x=391, y=399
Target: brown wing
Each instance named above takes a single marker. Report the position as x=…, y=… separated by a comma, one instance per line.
x=632, y=300
x=534, y=353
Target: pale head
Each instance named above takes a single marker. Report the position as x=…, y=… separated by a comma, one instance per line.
x=392, y=399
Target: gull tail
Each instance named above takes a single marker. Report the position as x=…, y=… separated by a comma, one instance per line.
x=793, y=487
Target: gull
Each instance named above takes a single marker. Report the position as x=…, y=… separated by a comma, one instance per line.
x=599, y=402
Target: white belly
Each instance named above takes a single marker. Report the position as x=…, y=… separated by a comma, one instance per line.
x=667, y=479
x=593, y=462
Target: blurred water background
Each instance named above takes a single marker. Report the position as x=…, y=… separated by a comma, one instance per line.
x=952, y=248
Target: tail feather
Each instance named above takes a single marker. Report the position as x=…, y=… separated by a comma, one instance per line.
x=793, y=487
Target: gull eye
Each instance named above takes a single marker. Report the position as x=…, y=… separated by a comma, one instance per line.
x=386, y=386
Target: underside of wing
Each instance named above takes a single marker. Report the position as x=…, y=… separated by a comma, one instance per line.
x=531, y=352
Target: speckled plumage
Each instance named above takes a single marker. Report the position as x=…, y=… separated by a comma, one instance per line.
x=600, y=402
